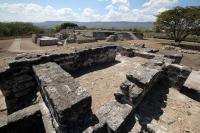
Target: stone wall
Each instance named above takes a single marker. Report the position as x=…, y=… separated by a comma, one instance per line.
x=124, y=36
x=36, y=36
x=85, y=40
x=28, y=120
x=97, y=35
x=47, y=41
x=175, y=75
x=69, y=103
x=18, y=86
x=65, y=98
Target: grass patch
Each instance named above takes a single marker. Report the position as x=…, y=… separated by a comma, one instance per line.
x=189, y=113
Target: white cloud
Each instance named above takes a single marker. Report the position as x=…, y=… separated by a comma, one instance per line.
x=152, y=8
x=110, y=7
x=123, y=8
x=121, y=2
x=34, y=12
x=119, y=10
x=159, y=3
x=89, y=15
x=87, y=12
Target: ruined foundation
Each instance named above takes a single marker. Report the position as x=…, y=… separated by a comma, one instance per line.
x=67, y=105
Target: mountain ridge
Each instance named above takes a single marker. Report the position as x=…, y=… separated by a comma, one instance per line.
x=98, y=24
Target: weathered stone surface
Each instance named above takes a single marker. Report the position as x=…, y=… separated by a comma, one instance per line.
x=191, y=87
x=70, y=40
x=66, y=99
x=23, y=121
x=125, y=51
x=59, y=36
x=131, y=91
x=117, y=116
x=125, y=36
x=144, y=54
x=46, y=118
x=176, y=57
x=85, y=40
x=47, y=41
x=143, y=76
x=111, y=38
x=138, y=45
x=59, y=43
x=112, y=117
x=176, y=75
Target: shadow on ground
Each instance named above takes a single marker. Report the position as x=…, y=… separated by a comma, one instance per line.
x=93, y=68
x=151, y=107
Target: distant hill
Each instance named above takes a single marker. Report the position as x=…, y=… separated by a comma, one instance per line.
x=107, y=25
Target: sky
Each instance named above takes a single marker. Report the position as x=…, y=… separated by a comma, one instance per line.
x=87, y=10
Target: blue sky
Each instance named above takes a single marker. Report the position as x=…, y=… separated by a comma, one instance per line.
x=87, y=10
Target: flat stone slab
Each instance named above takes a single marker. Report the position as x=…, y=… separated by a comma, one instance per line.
x=143, y=76
x=47, y=41
x=66, y=99
x=193, y=81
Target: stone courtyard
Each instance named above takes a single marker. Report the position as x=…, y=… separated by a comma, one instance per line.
x=95, y=89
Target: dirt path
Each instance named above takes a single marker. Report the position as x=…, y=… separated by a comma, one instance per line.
x=15, y=47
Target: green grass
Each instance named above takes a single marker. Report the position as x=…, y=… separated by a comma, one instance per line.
x=189, y=113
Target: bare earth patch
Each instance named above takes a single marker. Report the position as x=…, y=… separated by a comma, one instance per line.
x=163, y=109
x=102, y=81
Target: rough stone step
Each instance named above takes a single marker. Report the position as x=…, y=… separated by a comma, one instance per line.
x=112, y=117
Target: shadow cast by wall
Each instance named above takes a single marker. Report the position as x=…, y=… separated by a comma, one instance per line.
x=83, y=71
x=148, y=109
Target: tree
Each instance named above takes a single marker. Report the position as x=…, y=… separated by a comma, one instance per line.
x=65, y=25
x=18, y=29
x=179, y=22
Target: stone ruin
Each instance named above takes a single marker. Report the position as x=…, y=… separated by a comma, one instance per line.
x=66, y=105
x=70, y=36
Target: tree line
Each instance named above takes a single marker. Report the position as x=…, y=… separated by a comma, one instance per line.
x=18, y=29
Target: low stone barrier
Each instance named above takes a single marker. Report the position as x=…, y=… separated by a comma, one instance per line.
x=85, y=40
x=175, y=75
x=69, y=103
x=36, y=36
x=28, y=120
x=111, y=38
x=17, y=84
x=47, y=41
x=177, y=57
x=65, y=98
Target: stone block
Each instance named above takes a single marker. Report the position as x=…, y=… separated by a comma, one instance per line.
x=176, y=75
x=27, y=120
x=111, y=38
x=144, y=76
x=85, y=40
x=59, y=43
x=176, y=57
x=47, y=41
x=112, y=117
x=131, y=91
x=66, y=99
x=144, y=54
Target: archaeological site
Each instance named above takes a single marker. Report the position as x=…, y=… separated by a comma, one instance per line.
x=111, y=88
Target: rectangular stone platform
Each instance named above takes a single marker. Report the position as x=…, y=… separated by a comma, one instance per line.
x=65, y=98
x=47, y=41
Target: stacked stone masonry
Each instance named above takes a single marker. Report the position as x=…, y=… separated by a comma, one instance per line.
x=67, y=103
x=65, y=98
